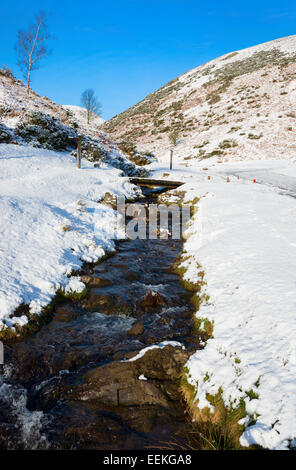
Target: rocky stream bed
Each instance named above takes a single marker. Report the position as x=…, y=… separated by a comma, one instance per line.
x=73, y=385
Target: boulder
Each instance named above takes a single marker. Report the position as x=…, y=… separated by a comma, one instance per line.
x=117, y=384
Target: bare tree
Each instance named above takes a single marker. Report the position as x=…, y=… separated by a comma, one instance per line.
x=91, y=104
x=173, y=138
x=31, y=46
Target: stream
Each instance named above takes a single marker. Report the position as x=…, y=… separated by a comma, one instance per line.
x=80, y=382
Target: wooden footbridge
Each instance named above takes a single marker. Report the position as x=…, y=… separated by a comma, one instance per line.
x=153, y=183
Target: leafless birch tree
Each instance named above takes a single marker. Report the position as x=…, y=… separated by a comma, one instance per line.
x=31, y=46
x=90, y=103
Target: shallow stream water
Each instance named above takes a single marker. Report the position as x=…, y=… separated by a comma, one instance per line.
x=72, y=384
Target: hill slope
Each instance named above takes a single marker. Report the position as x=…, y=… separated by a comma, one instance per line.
x=27, y=118
x=241, y=105
x=81, y=115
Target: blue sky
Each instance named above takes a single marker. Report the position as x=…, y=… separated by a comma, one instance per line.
x=125, y=49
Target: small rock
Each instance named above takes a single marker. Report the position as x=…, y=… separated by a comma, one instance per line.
x=65, y=313
x=136, y=330
x=107, y=304
x=151, y=301
x=94, y=301
x=110, y=200
x=94, y=281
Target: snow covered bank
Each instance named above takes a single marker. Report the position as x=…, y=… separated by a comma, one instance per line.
x=243, y=236
x=50, y=224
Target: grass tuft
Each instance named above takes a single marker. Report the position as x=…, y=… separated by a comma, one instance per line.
x=71, y=295
x=218, y=430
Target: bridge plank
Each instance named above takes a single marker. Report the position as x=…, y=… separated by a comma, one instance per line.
x=155, y=182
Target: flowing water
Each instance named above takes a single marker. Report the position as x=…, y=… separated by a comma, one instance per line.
x=72, y=385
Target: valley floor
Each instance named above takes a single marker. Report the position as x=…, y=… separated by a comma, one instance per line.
x=243, y=238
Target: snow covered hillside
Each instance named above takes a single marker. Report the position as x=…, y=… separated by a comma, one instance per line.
x=81, y=115
x=50, y=223
x=15, y=102
x=239, y=106
x=242, y=242
x=38, y=121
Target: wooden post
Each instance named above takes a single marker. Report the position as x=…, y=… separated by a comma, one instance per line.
x=171, y=159
x=79, y=151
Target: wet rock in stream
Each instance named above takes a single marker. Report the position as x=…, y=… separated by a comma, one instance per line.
x=137, y=329
x=147, y=386
x=152, y=301
x=95, y=281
